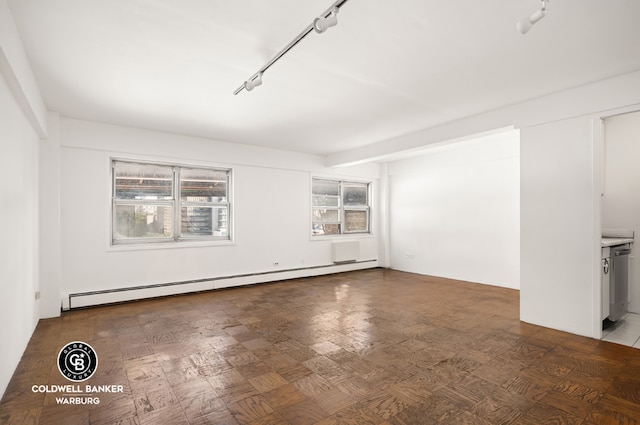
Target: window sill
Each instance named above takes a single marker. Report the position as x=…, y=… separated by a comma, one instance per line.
x=168, y=245
x=341, y=237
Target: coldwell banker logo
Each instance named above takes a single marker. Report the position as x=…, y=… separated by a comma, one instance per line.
x=77, y=361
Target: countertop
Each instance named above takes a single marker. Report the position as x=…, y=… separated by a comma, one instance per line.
x=615, y=241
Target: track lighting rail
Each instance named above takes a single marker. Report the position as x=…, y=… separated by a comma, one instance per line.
x=325, y=20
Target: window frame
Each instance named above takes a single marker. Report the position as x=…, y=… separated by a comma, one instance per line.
x=342, y=208
x=175, y=203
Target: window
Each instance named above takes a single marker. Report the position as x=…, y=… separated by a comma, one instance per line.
x=165, y=203
x=339, y=207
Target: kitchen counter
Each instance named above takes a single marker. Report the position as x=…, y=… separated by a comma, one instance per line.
x=615, y=241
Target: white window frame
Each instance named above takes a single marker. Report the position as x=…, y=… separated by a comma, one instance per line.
x=341, y=208
x=175, y=203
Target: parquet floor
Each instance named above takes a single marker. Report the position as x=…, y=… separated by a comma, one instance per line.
x=370, y=347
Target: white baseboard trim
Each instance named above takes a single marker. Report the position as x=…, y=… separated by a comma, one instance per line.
x=111, y=296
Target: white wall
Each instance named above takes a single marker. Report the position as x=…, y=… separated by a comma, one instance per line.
x=559, y=256
x=19, y=218
x=49, y=220
x=22, y=122
x=605, y=95
x=15, y=67
x=271, y=204
x=621, y=199
x=454, y=211
x=560, y=186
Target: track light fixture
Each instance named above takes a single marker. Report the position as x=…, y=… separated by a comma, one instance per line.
x=525, y=24
x=322, y=23
x=252, y=83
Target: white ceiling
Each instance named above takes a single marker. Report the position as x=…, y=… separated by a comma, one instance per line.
x=389, y=68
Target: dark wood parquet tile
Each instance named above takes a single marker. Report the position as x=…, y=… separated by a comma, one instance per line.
x=238, y=392
x=334, y=400
x=626, y=388
x=468, y=418
x=436, y=409
x=579, y=391
x=623, y=408
x=386, y=405
x=251, y=409
x=172, y=415
x=197, y=398
x=501, y=407
x=357, y=414
x=312, y=385
x=371, y=347
x=251, y=371
x=225, y=379
x=293, y=373
x=268, y=381
x=284, y=396
x=273, y=419
x=541, y=414
x=221, y=417
x=472, y=388
x=305, y=412
x=118, y=407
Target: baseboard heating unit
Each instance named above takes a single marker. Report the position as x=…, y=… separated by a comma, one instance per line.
x=118, y=295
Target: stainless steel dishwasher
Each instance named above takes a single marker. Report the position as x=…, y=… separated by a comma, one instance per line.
x=619, y=292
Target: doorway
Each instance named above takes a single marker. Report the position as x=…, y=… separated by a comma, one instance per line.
x=620, y=209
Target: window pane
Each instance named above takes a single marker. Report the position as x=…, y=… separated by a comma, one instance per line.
x=142, y=181
x=326, y=216
x=204, y=221
x=326, y=201
x=326, y=229
x=355, y=221
x=143, y=221
x=355, y=194
x=202, y=185
x=326, y=187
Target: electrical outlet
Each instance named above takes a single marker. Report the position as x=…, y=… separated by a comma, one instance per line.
x=37, y=295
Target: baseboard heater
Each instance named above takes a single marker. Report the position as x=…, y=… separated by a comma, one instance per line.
x=111, y=296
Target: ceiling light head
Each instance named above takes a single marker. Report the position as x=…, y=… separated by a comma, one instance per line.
x=251, y=84
x=321, y=24
x=524, y=25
